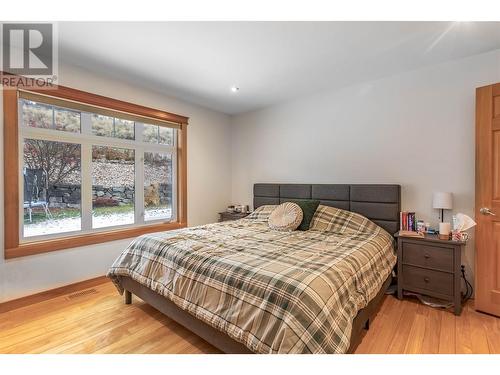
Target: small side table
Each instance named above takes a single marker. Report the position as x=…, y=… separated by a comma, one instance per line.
x=430, y=266
x=228, y=216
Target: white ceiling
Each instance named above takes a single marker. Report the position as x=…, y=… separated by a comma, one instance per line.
x=269, y=61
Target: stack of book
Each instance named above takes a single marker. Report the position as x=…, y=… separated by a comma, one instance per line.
x=407, y=221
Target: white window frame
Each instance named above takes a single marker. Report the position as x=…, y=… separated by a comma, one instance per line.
x=86, y=139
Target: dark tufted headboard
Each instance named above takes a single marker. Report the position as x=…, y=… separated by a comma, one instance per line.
x=379, y=203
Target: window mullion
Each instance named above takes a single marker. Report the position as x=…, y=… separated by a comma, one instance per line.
x=139, y=129
x=174, y=187
x=86, y=165
x=175, y=182
x=139, y=185
x=86, y=197
x=85, y=123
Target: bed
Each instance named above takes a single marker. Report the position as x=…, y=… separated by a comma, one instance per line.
x=247, y=289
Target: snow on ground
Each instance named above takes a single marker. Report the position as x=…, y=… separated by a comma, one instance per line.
x=74, y=223
x=113, y=220
x=158, y=213
x=52, y=226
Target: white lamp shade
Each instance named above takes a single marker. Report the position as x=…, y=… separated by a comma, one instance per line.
x=442, y=201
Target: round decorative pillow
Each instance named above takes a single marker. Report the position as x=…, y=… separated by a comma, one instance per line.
x=286, y=217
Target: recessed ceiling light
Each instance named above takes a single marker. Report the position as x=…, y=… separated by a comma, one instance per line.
x=235, y=89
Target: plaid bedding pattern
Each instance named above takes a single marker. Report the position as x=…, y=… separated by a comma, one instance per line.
x=336, y=220
x=275, y=292
x=262, y=213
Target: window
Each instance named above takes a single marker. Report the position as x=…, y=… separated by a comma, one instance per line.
x=52, y=170
x=158, y=134
x=51, y=187
x=107, y=126
x=89, y=173
x=113, y=186
x=157, y=186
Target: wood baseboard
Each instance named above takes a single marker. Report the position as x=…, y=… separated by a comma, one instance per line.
x=49, y=294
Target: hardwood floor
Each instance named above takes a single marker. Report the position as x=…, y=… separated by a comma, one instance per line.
x=410, y=327
x=95, y=320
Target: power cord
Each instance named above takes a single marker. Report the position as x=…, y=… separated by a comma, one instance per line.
x=469, y=290
x=436, y=302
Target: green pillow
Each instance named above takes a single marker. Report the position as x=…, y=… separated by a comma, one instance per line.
x=308, y=209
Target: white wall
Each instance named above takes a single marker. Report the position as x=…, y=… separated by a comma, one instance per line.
x=415, y=129
x=209, y=185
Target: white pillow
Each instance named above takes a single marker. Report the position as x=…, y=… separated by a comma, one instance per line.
x=286, y=217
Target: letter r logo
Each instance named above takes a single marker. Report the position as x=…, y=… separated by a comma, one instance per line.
x=27, y=48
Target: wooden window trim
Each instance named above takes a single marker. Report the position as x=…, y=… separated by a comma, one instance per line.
x=13, y=247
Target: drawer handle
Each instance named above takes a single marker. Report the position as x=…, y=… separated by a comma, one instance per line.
x=426, y=279
x=427, y=256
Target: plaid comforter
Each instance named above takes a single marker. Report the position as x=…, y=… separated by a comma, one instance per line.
x=275, y=292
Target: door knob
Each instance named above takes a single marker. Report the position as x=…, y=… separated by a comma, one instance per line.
x=486, y=211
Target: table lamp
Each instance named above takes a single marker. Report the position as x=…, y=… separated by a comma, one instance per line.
x=442, y=201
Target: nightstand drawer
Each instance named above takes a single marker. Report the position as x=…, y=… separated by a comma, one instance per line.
x=436, y=257
x=434, y=281
x=430, y=266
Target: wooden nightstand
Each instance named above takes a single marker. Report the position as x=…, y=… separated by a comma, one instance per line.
x=228, y=216
x=432, y=267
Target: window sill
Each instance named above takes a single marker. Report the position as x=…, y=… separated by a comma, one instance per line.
x=46, y=246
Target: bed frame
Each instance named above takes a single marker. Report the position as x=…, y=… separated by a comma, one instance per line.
x=379, y=203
